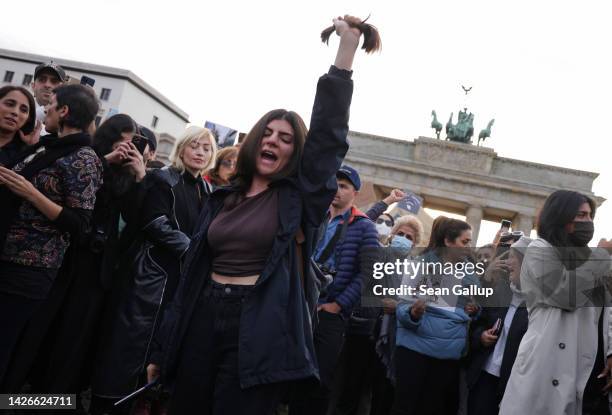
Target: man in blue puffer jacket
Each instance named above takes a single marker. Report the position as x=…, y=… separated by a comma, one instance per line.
x=347, y=233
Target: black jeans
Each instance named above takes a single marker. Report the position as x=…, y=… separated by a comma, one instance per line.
x=207, y=380
x=484, y=398
x=383, y=391
x=15, y=313
x=313, y=399
x=425, y=385
x=359, y=355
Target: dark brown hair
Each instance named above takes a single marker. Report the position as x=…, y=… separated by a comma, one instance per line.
x=82, y=105
x=560, y=209
x=28, y=127
x=371, y=37
x=223, y=154
x=246, y=165
x=444, y=228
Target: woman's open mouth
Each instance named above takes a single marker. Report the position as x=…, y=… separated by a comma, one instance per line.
x=268, y=157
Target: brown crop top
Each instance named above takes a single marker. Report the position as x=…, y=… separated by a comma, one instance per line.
x=241, y=236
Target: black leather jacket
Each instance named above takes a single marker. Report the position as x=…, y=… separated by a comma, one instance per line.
x=154, y=268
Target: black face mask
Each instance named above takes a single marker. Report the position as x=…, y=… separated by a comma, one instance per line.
x=583, y=233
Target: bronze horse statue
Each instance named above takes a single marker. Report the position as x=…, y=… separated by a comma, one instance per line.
x=435, y=124
x=485, y=133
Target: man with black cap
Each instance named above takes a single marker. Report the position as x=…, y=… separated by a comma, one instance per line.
x=348, y=231
x=47, y=77
x=149, y=155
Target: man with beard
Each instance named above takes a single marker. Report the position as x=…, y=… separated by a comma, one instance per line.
x=47, y=77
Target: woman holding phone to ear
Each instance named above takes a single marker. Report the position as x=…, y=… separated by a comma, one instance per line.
x=169, y=218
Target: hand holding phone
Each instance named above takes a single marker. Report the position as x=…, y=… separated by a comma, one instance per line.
x=506, y=224
x=497, y=327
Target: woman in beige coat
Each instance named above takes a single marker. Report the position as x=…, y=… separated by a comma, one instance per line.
x=562, y=363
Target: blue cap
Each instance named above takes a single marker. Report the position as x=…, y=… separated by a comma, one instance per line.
x=351, y=175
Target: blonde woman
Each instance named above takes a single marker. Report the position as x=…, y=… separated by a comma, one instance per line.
x=169, y=214
x=406, y=233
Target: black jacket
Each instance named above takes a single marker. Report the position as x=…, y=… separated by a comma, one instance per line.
x=62, y=335
x=275, y=328
x=480, y=354
x=153, y=269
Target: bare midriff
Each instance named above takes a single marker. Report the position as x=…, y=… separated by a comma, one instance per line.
x=222, y=279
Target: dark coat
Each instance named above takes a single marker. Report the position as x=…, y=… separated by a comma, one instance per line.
x=153, y=266
x=275, y=341
x=63, y=334
x=479, y=354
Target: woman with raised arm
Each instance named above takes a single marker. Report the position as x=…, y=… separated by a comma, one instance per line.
x=240, y=327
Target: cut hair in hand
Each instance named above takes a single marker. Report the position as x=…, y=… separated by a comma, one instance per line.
x=371, y=37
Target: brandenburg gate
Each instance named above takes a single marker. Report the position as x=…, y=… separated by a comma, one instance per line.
x=461, y=178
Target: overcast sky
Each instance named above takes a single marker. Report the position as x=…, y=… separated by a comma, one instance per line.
x=540, y=68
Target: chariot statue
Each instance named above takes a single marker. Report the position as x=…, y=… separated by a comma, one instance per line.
x=463, y=130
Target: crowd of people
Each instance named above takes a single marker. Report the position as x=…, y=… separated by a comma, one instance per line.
x=239, y=280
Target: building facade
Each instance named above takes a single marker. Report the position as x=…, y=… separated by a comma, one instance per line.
x=119, y=91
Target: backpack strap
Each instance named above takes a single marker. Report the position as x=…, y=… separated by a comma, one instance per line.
x=331, y=245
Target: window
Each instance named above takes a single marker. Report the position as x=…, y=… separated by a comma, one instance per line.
x=27, y=80
x=154, y=122
x=105, y=94
x=8, y=76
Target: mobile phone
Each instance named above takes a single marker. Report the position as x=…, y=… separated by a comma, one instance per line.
x=497, y=327
x=140, y=142
x=505, y=224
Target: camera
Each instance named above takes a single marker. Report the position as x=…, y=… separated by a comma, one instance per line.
x=325, y=276
x=98, y=239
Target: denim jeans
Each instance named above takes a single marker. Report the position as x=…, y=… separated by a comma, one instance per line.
x=207, y=380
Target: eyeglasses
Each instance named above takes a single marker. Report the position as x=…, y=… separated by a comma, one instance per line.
x=228, y=163
x=405, y=235
x=387, y=222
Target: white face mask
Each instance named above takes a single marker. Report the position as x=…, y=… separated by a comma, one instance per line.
x=383, y=229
